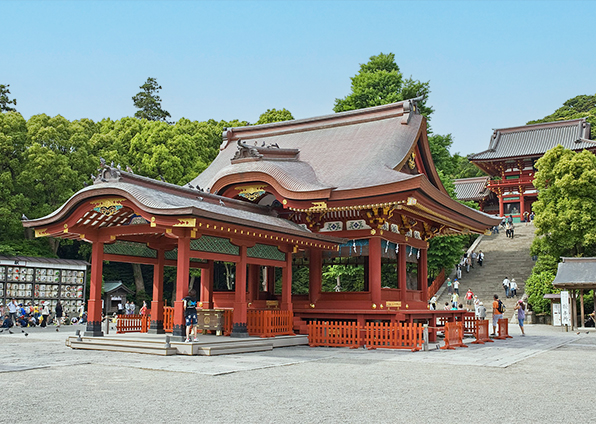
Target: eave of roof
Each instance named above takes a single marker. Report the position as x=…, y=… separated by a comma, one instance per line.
x=159, y=198
x=576, y=273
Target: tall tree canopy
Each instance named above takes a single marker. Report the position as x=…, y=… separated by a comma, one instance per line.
x=274, y=115
x=149, y=103
x=582, y=106
x=5, y=101
x=380, y=82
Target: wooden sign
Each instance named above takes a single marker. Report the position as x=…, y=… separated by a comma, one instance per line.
x=393, y=304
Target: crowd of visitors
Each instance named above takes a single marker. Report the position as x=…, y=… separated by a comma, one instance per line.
x=37, y=315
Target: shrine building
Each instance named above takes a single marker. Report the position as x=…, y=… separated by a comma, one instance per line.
x=511, y=156
x=356, y=188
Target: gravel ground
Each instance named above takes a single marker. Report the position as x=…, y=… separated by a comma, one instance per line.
x=542, y=378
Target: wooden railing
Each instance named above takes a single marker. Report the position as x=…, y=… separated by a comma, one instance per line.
x=132, y=323
x=393, y=335
x=269, y=323
x=168, y=318
x=436, y=284
x=373, y=335
x=334, y=334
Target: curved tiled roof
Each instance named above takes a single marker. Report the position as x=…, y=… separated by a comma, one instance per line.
x=531, y=140
x=162, y=198
x=471, y=188
x=348, y=150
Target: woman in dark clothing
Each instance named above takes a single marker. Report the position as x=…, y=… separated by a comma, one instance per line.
x=58, y=314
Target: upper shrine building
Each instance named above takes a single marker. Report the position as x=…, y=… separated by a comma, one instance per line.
x=510, y=159
x=356, y=187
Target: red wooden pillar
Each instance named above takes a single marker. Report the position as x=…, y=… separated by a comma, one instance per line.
x=315, y=275
x=374, y=269
x=182, y=272
x=240, y=305
x=501, y=208
x=423, y=275
x=253, y=282
x=157, y=302
x=271, y=281
x=522, y=206
x=402, y=275
x=206, y=287
x=94, y=306
x=286, y=285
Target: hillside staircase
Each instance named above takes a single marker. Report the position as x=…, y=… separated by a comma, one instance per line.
x=503, y=257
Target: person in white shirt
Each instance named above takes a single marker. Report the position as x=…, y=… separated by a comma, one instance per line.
x=506, y=284
x=512, y=288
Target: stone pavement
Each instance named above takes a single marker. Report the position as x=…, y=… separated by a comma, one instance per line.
x=544, y=377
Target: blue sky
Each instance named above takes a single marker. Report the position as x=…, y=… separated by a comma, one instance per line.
x=490, y=64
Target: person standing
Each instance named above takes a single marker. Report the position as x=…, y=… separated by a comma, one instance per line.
x=512, y=288
x=469, y=298
x=12, y=311
x=454, y=300
x=456, y=286
x=433, y=303
x=127, y=308
x=481, y=311
x=458, y=270
x=449, y=286
x=506, y=285
x=468, y=263
x=521, y=315
x=45, y=314
x=474, y=258
x=143, y=310
x=480, y=258
x=497, y=313
x=59, y=313
x=190, y=315
x=133, y=307
x=120, y=308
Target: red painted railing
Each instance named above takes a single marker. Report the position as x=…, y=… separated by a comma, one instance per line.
x=393, y=335
x=168, y=318
x=436, y=284
x=454, y=333
x=334, y=334
x=482, y=335
x=269, y=323
x=503, y=331
x=132, y=323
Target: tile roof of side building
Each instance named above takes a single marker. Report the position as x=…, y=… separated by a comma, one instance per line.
x=536, y=139
x=471, y=188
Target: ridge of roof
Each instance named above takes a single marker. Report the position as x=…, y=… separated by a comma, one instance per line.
x=404, y=108
x=529, y=127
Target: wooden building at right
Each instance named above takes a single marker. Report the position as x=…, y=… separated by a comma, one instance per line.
x=511, y=157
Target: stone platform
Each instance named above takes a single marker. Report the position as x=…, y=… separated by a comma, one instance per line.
x=208, y=345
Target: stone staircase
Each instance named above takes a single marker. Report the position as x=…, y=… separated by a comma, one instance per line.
x=503, y=257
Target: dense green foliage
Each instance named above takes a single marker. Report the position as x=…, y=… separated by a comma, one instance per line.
x=274, y=115
x=149, y=103
x=565, y=216
x=537, y=286
x=5, y=101
x=45, y=160
x=582, y=106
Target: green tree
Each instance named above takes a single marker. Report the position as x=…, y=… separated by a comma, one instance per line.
x=274, y=115
x=582, y=106
x=463, y=168
x=566, y=205
x=5, y=102
x=380, y=82
x=149, y=103
x=537, y=286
